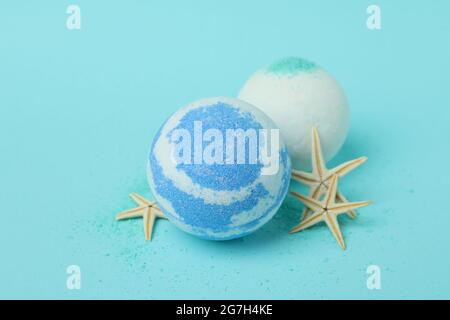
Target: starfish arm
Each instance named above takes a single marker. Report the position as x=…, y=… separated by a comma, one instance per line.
x=346, y=167
x=333, y=225
x=149, y=220
x=314, y=194
x=158, y=212
x=308, y=222
x=309, y=202
x=351, y=213
x=129, y=214
x=304, y=177
x=140, y=200
x=318, y=163
x=331, y=192
x=339, y=208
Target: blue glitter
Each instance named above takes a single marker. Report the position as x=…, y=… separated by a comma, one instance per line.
x=220, y=116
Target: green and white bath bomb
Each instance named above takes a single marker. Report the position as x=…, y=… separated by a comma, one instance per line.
x=297, y=94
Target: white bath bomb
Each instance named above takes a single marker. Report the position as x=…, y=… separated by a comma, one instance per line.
x=297, y=94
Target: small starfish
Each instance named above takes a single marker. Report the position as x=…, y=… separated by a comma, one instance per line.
x=327, y=210
x=147, y=209
x=318, y=180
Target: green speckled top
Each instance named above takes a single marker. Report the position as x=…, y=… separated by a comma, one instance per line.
x=291, y=66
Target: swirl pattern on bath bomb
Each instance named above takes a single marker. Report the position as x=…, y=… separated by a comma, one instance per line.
x=298, y=95
x=216, y=201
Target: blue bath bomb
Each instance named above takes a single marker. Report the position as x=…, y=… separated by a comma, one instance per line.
x=219, y=169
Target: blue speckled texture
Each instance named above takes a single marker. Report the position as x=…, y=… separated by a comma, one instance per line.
x=197, y=215
x=215, y=176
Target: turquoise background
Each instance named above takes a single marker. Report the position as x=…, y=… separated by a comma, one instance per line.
x=79, y=108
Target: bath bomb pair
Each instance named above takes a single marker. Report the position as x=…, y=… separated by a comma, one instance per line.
x=220, y=169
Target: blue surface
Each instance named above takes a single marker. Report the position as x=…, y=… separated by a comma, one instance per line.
x=78, y=109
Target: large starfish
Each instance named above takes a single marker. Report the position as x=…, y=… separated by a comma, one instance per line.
x=318, y=179
x=147, y=209
x=327, y=210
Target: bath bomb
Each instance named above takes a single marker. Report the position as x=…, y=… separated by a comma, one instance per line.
x=219, y=169
x=297, y=94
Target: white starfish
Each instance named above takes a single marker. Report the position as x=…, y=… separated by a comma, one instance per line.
x=327, y=210
x=147, y=209
x=318, y=179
